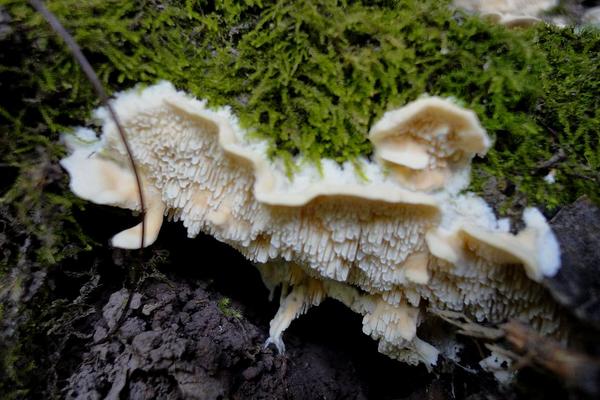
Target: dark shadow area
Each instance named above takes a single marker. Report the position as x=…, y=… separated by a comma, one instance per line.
x=8, y=174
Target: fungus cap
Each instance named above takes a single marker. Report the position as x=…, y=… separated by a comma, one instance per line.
x=104, y=181
x=535, y=247
x=429, y=143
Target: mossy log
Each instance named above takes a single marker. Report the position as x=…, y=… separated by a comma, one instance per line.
x=311, y=76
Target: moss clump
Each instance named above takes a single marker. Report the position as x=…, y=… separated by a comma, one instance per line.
x=312, y=75
x=569, y=111
x=316, y=74
x=227, y=309
x=561, y=128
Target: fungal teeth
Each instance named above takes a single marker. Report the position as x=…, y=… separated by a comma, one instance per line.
x=379, y=245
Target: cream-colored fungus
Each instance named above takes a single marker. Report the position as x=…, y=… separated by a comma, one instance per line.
x=391, y=247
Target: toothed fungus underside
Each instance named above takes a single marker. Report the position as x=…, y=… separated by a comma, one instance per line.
x=512, y=13
x=392, y=242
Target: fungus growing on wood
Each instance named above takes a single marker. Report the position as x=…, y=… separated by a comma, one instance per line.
x=383, y=246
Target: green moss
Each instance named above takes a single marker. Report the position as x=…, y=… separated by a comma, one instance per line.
x=227, y=309
x=312, y=75
x=15, y=370
x=569, y=111
x=318, y=75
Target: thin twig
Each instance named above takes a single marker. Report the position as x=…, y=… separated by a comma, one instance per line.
x=93, y=78
x=575, y=368
x=468, y=327
x=556, y=158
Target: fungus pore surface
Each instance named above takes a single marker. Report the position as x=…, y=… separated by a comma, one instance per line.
x=392, y=238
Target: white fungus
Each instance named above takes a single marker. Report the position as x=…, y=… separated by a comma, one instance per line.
x=550, y=178
x=390, y=244
x=511, y=13
x=428, y=143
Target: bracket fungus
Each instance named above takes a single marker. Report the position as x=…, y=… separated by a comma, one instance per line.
x=392, y=244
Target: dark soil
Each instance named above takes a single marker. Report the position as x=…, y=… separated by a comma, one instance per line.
x=195, y=326
x=176, y=342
